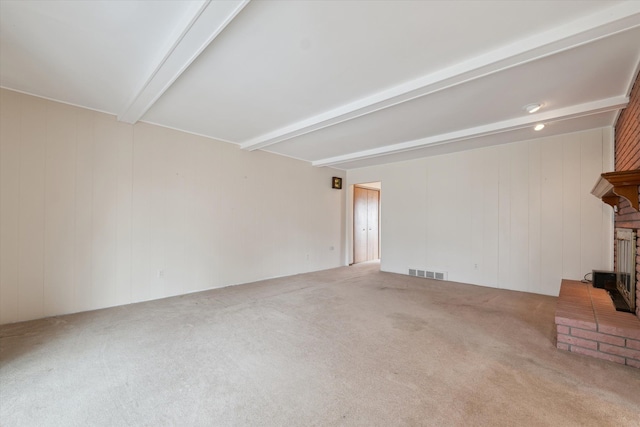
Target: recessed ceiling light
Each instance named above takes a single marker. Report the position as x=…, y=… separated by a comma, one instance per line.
x=539, y=126
x=532, y=108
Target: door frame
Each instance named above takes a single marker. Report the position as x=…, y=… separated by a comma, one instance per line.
x=378, y=189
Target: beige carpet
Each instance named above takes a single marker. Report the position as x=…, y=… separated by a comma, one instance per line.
x=350, y=346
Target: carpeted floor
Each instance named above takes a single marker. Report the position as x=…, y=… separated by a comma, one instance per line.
x=350, y=346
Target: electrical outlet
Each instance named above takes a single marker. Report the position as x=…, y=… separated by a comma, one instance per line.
x=160, y=274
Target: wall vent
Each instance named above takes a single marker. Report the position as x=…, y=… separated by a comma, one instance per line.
x=428, y=274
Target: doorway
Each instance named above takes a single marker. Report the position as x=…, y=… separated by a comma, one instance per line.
x=366, y=222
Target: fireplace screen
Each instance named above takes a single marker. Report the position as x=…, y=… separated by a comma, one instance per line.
x=626, y=265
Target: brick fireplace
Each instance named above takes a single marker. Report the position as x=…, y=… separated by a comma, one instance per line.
x=587, y=323
x=627, y=217
x=627, y=158
x=586, y=320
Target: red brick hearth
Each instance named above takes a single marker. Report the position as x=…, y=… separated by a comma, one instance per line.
x=588, y=323
x=586, y=320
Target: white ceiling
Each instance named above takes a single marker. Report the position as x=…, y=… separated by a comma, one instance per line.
x=344, y=84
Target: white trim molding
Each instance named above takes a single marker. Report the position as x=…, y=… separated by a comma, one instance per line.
x=622, y=17
x=572, y=112
x=203, y=24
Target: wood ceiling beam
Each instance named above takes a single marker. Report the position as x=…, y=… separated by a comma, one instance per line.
x=201, y=25
x=575, y=111
x=607, y=22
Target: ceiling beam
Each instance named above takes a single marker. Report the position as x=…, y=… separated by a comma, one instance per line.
x=201, y=25
x=572, y=112
x=607, y=22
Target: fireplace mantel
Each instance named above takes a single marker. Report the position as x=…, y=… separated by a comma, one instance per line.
x=613, y=185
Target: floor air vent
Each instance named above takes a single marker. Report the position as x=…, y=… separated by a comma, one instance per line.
x=427, y=274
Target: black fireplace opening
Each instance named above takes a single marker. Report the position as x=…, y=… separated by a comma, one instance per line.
x=610, y=281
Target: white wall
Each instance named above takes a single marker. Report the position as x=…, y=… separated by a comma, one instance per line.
x=521, y=212
x=92, y=209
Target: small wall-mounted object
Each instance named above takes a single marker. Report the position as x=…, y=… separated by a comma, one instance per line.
x=613, y=185
x=336, y=183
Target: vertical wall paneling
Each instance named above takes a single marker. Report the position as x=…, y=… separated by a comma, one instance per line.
x=105, y=213
x=571, y=197
x=9, y=198
x=504, y=219
x=97, y=213
x=534, y=217
x=83, y=234
x=590, y=206
x=422, y=254
x=59, y=244
x=31, y=207
x=176, y=204
x=462, y=228
x=488, y=164
x=148, y=216
x=200, y=183
x=519, y=214
x=438, y=209
x=232, y=215
x=123, y=141
x=403, y=214
x=551, y=215
x=526, y=207
x=475, y=204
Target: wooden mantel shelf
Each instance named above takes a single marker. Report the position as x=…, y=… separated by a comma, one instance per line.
x=613, y=185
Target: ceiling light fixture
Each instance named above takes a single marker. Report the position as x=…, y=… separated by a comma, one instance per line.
x=539, y=126
x=532, y=108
